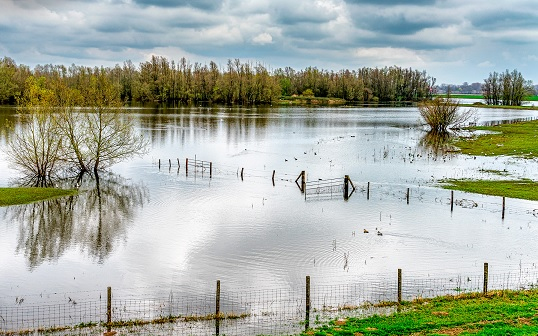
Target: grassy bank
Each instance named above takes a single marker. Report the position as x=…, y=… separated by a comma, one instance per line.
x=497, y=313
x=13, y=196
x=479, y=96
x=518, y=139
x=304, y=100
x=523, y=189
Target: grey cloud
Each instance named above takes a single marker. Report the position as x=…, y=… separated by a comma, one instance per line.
x=397, y=25
x=497, y=20
x=208, y=5
x=391, y=2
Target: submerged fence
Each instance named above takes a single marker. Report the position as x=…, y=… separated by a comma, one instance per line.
x=255, y=312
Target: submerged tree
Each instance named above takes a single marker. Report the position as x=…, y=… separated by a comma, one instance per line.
x=36, y=149
x=508, y=88
x=68, y=131
x=440, y=114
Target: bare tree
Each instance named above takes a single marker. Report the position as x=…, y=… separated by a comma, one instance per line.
x=444, y=113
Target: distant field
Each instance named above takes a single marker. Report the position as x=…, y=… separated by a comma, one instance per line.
x=472, y=96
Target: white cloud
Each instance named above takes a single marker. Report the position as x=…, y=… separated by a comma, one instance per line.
x=486, y=64
x=388, y=56
x=263, y=38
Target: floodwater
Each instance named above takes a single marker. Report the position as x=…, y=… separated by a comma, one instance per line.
x=155, y=228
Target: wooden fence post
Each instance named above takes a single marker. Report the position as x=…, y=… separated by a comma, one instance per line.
x=346, y=187
x=399, y=285
x=210, y=169
x=307, y=318
x=451, y=200
x=217, y=309
x=368, y=191
x=187, y=166
x=407, y=196
x=109, y=309
x=486, y=277
x=159, y=164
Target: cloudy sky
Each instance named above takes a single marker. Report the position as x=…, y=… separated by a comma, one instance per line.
x=453, y=40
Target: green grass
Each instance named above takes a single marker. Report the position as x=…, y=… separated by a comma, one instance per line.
x=523, y=189
x=13, y=196
x=479, y=96
x=497, y=313
x=519, y=139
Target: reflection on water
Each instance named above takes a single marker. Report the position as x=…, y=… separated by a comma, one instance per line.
x=250, y=233
x=437, y=142
x=94, y=220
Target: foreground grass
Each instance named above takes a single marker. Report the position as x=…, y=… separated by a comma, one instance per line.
x=519, y=139
x=523, y=189
x=13, y=196
x=497, y=313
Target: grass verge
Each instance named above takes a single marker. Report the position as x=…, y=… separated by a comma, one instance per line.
x=14, y=196
x=518, y=139
x=523, y=189
x=497, y=313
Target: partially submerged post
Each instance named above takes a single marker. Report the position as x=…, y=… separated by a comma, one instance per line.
x=451, y=200
x=307, y=317
x=368, y=191
x=486, y=277
x=187, y=166
x=407, y=196
x=109, y=309
x=210, y=169
x=399, y=285
x=301, y=176
x=217, y=309
x=346, y=187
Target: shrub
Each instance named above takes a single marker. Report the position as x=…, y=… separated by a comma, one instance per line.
x=444, y=113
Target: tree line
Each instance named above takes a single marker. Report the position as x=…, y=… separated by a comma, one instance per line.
x=237, y=82
x=506, y=88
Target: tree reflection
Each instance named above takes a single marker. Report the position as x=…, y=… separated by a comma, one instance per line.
x=93, y=221
x=438, y=142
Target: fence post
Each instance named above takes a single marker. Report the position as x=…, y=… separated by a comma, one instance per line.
x=486, y=276
x=273, y=178
x=451, y=200
x=169, y=163
x=159, y=164
x=504, y=204
x=217, y=309
x=307, y=319
x=109, y=309
x=187, y=166
x=399, y=285
x=242, y=169
x=368, y=191
x=407, y=196
x=210, y=169
x=178, y=165
x=346, y=187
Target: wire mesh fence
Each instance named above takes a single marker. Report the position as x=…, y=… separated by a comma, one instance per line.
x=249, y=312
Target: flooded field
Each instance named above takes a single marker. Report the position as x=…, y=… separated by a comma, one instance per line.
x=155, y=228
